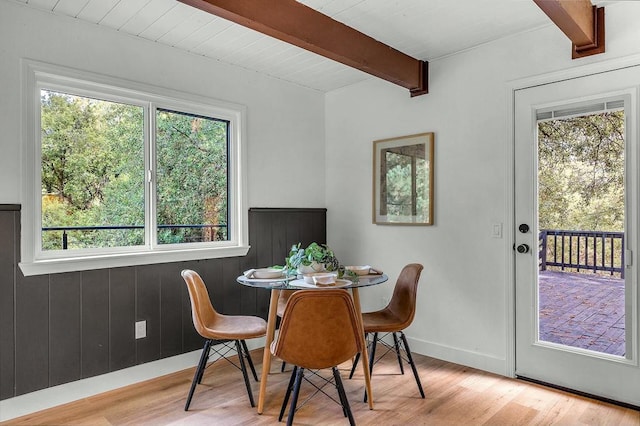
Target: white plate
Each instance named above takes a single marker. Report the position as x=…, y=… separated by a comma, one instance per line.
x=265, y=273
x=302, y=283
x=264, y=280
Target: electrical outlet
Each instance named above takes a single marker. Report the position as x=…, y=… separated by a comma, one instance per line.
x=141, y=329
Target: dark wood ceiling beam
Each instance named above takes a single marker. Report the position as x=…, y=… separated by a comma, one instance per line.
x=302, y=26
x=582, y=22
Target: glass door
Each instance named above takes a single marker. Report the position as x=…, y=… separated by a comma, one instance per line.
x=576, y=214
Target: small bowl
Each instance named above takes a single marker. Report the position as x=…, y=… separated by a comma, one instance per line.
x=359, y=269
x=324, y=279
x=267, y=273
x=311, y=278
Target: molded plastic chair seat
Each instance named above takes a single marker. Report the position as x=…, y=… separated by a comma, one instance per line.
x=224, y=329
x=227, y=327
x=394, y=318
x=382, y=321
x=319, y=330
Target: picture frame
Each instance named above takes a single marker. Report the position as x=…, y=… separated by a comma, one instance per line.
x=403, y=184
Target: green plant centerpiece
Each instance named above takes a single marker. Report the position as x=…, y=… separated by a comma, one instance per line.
x=314, y=258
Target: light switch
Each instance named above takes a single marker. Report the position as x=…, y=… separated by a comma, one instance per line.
x=497, y=230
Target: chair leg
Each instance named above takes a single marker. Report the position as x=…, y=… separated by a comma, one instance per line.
x=341, y=392
x=249, y=360
x=413, y=365
x=203, y=359
x=243, y=367
x=288, y=393
x=397, y=346
x=372, y=355
x=197, y=376
x=284, y=364
x=296, y=392
x=355, y=363
x=346, y=408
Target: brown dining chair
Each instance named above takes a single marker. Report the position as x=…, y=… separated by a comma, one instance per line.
x=228, y=330
x=319, y=330
x=393, y=319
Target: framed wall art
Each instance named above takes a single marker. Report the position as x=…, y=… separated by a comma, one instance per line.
x=403, y=180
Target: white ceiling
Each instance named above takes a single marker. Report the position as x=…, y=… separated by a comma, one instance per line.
x=423, y=29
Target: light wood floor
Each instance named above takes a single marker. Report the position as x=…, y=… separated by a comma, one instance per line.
x=455, y=395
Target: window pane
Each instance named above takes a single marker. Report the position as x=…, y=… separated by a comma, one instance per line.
x=92, y=172
x=192, y=178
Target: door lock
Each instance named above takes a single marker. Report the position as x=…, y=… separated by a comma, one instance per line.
x=524, y=228
x=523, y=248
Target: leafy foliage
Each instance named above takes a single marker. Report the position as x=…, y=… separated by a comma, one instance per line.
x=581, y=172
x=93, y=173
x=191, y=175
x=314, y=252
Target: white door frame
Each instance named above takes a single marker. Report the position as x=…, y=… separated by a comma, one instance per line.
x=509, y=225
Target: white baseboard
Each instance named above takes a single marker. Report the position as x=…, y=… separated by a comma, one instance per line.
x=50, y=397
x=472, y=359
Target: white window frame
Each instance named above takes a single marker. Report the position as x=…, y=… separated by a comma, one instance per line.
x=35, y=261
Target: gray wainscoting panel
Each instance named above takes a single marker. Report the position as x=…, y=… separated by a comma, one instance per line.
x=148, y=309
x=274, y=231
x=32, y=333
x=95, y=323
x=171, y=324
x=231, y=290
x=9, y=229
x=122, y=317
x=63, y=327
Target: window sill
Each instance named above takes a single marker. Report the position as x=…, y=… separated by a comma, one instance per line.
x=54, y=266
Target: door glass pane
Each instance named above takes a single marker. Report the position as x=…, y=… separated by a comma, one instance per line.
x=581, y=207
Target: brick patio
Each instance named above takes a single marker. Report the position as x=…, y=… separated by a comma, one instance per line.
x=582, y=310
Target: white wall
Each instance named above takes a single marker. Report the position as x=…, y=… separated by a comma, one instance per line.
x=285, y=122
x=463, y=312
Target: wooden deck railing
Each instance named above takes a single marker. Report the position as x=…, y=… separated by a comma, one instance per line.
x=582, y=251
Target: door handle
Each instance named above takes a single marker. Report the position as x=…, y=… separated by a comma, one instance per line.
x=523, y=248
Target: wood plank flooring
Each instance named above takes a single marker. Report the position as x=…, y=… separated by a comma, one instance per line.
x=455, y=395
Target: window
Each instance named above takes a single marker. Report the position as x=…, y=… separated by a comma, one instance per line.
x=118, y=174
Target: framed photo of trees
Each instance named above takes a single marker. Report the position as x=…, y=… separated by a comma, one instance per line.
x=403, y=180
